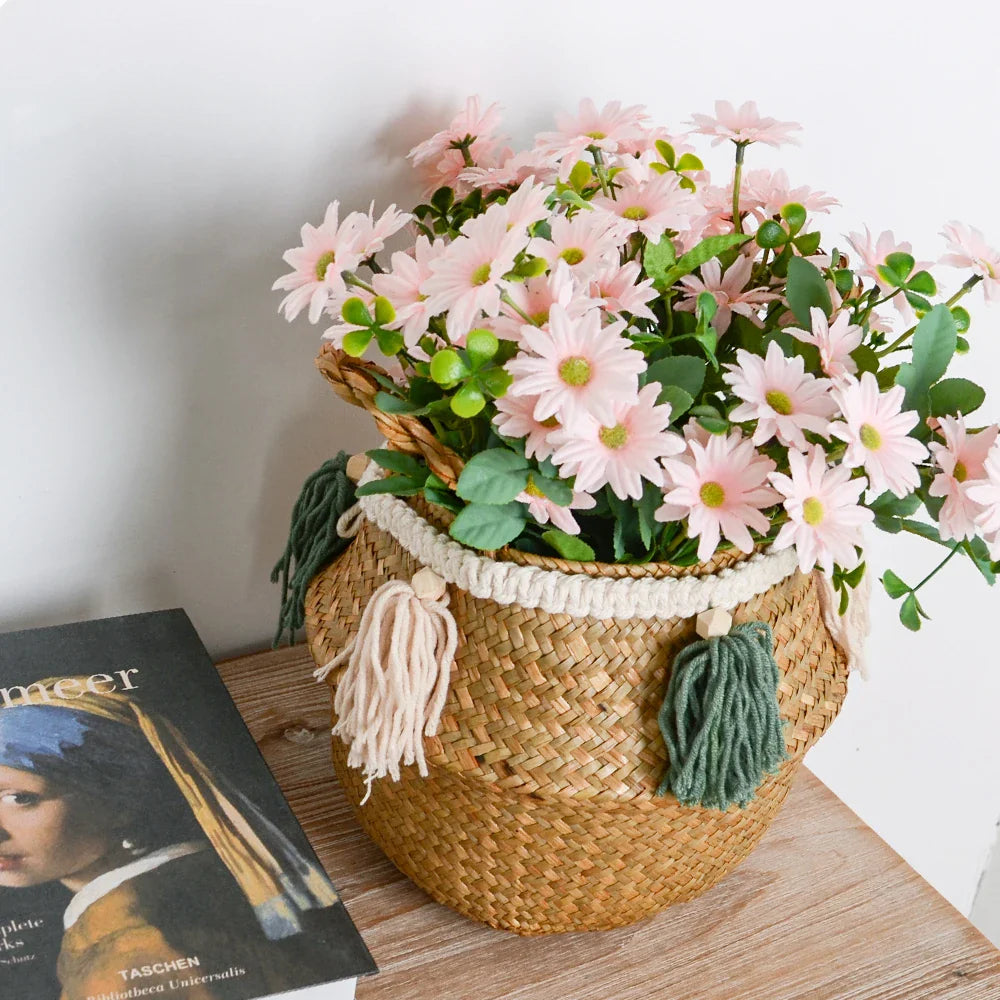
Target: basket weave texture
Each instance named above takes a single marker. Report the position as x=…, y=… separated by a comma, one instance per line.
x=539, y=813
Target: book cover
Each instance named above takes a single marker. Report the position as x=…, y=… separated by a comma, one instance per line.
x=145, y=849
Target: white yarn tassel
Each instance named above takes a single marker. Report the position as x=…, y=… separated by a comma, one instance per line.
x=396, y=682
x=850, y=630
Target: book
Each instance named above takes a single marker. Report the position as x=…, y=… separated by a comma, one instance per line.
x=145, y=848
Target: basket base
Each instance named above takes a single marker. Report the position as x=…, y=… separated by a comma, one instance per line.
x=533, y=865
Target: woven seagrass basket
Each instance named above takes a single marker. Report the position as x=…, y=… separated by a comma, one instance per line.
x=539, y=814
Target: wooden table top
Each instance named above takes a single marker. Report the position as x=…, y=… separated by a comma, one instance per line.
x=822, y=909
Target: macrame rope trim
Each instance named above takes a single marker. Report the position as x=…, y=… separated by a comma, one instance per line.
x=573, y=594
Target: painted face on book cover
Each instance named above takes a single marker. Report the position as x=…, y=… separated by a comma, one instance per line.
x=45, y=835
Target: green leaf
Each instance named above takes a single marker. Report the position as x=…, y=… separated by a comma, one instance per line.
x=922, y=283
x=952, y=396
x=689, y=161
x=865, y=358
x=468, y=401
x=901, y=264
x=806, y=289
x=496, y=381
x=557, y=490
x=666, y=151
x=771, y=235
x=680, y=401
x=657, y=259
x=581, y=175
x=795, y=215
x=390, y=342
x=443, y=199
x=447, y=367
x=894, y=587
x=494, y=476
x=909, y=614
x=934, y=344
x=356, y=312
x=393, y=404
x=962, y=319
x=481, y=345
x=714, y=425
x=853, y=578
x=889, y=505
x=384, y=311
x=708, y=248
x=918, y=302
x=400, y=486
x=396, y=461
x=682, y=370
x=569, y=546
x=488, y=526
x=646, y=506
x=808, y=243
x=978, y=551
x=356, y=342
x=961, y=345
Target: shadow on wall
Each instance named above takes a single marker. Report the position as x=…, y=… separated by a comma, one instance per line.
x=223, y=413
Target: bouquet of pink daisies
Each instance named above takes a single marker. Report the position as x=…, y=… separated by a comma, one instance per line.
x=633, y=363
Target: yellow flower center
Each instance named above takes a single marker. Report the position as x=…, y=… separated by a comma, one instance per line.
x=812, y=511
x=481, y=274
x=575, y=371
x=540, y=318
x=870, y=437
x=323, y=263
x=596, y=135
x=779, y=402
x=549, y=422
x=572, y=255
x=960, y=472
x=635, y=213
x=614, y=437
x=532, y=490
x=712, y=495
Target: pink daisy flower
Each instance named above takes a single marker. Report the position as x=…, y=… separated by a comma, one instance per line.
x=470, y=121
x=986, y=493
x=825, y=519
x=835, y=342
x=969, y=248
x=962, y=461
x=621, y=451
x=465, y=278
x=587, y=243
x=372, y=232
x=720, y=487
x=872, y=252
x=327, y=250
x=649, y=207
x=543, y=510
x=606, y=130
x=401, y=286
x=513, y=171
x=576, y=367
x=616, y=285
x=525, y=206
x=744, y=125
x=780, y=395
x=727, y=290
x=770, y=191
x=515, y=418
x=876, y=429
x=536, y=297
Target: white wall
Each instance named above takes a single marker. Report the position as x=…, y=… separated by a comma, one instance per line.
x=158, y=157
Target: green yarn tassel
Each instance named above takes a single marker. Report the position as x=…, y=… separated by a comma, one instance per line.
x=720, y=719
x=312, y=540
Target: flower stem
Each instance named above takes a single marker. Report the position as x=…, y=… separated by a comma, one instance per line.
x=353, y=279
x=463, y=147
x=601, y=171
x=905, y=336
x=937, y=568
x=737, y=181
x=507, y=300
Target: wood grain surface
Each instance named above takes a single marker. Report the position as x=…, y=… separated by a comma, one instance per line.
x=822, y=909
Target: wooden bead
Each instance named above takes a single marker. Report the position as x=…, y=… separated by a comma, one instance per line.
x=427, y=585
x=356, y=466
x=713, y=622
